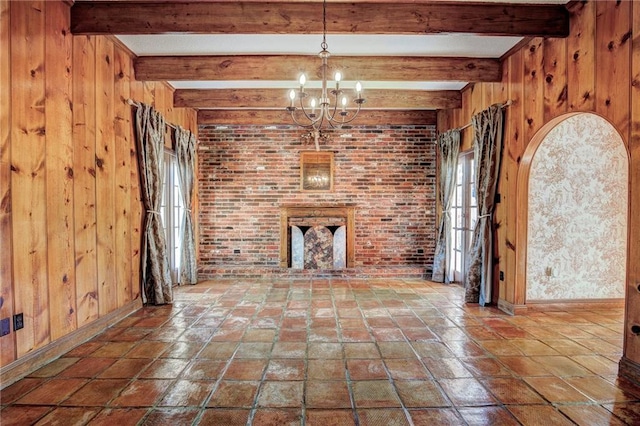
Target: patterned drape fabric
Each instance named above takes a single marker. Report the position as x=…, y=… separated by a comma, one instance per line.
x=185, y=145
x=487, y=126
x=448, y=146
x=156, y=279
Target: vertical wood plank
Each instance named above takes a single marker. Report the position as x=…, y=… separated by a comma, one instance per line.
x=84, y=187
x=59, y=171
x=581, y=56
x=632, y=348
x=7, y=343
x=28, y=179
x=613, y=44
x=555, y=77
x=122, y=126
x=514, y=147
x=533, y=101
x=105, y=176
x=137, y=94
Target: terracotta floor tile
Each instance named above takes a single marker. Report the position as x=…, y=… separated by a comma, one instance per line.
x=184, y=393
x=601, y=390
x=113, y=349
x=218, y=350
x=87, y=367
x=330, y=418
x=396, y=350
x=356, y=335
x=245, y=369
x=628, y=412
x=329, y=369
x=435, y=416
x=556, y=390
x=421, y=394
x=366, y=369
x=466, y=392
x=164, y=369
x=292, y=335
x=280, y=394
x=446, y=368
x=228, y=335
x=593, y=415
x=436, y=350
x=524, y=366
x=325, y=350
x=279, y=417
x=285, y=369
x=52, y=392
x=388, y=334
x=84, y=349
x=125, y=369
x=500, y=347
x=512, y=391
x=141, y=393
x=485, y=367
x=182, y=350
x=97, y=392
x=234, y=394
x=323, y=335
x=494, y=416
x=54, y=367
x=361, y=350
x=539, y=415
x=69, y=416
x=170, y=416
x=204, y=369
x=147, y=349
x=20, y=415
x=289, y=350
x=259, y=335
x=375, y=393
x=597, y=364
x=18, y=389
x=118, y=416
x=327, y=394
x=407, y=369
x=382, y=416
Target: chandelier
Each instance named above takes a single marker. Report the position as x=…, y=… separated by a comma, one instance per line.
x=320, y=115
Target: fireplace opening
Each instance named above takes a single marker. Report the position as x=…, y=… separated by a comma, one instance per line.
x=318, y=237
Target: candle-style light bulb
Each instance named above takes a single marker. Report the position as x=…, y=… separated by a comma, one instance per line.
x=303, y=80
x=344, y=103
x=338, y=76
x=358, y=88
x=292, y=96
x=313, y=105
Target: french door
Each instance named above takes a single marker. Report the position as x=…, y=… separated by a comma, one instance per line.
x=464, y=212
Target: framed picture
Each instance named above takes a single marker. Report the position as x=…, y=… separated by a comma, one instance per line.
x=316, y=171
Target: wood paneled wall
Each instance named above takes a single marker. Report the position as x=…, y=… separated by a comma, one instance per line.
x=70, y=210
x=597, y=68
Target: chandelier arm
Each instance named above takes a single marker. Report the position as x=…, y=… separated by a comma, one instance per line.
x=311, y=120
x=353, y=117
x=295, y=120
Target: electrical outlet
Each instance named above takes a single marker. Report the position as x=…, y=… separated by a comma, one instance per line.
x=18, y=321
x=501, y=275
x=5, y=326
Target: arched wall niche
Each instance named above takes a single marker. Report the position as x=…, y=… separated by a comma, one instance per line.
x=572, y=205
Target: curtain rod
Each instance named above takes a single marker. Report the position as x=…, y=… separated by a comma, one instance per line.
x=138, y=105
x=506, y=104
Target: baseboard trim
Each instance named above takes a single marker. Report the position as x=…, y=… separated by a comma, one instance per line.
x=23, y=366
x=569, y=304
x=510, y=308
x=629, y=370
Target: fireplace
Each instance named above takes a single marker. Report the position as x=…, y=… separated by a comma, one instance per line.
x=317, y=237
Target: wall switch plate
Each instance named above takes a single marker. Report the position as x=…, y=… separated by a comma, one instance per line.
x=501, y=275
x=5, y=326
x=18, y=321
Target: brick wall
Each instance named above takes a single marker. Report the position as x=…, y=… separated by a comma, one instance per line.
x=247, y=172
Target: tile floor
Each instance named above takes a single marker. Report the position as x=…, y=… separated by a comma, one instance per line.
x=334, y=352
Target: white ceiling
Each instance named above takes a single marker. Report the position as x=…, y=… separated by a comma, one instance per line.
x=461, y=45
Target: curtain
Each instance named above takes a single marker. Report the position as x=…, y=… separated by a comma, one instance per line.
x=185, y=145
x=487, y=149
x=448, y=146
x=156, y=279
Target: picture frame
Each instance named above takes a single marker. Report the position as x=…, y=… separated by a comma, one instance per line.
x=316, y=171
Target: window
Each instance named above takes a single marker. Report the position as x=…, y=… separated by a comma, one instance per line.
x=172, y=211
x=464, y=213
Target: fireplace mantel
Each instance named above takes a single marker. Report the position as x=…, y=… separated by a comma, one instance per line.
x=346, y=211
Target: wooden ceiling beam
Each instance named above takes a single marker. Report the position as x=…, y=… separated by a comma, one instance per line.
x=277, y=99
x=289, y=67
x=281, y=117
x=222, y=17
